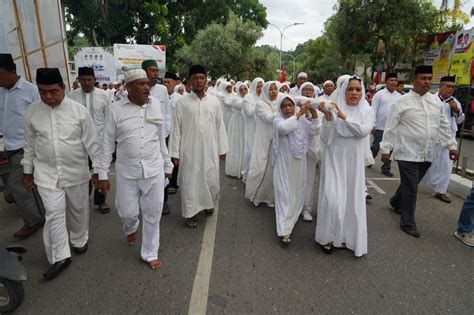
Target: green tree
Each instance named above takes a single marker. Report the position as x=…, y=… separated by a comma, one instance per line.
x=386, y=31
x=105, y=22
x=168, y=22
x=225, y=49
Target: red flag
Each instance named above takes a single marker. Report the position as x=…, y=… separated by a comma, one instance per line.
x=377, y=77
x=282, y=74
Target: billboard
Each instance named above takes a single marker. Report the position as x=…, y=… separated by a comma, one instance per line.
x=440, y=53
x=100, y=60
x=462, y=58
x=131, y=56
x=451, y=54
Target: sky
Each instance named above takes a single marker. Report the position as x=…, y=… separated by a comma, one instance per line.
x=313, y=13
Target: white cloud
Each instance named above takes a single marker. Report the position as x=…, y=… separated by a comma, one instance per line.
x=311, y=12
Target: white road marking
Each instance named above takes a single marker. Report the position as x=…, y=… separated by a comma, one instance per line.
x=200, y=293
x=375, y=186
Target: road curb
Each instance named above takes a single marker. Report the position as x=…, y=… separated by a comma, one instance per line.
x=459, y=186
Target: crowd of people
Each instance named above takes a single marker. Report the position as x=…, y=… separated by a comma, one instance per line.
x=165, y=136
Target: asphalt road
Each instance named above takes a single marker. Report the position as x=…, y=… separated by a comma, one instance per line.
x=252, y=272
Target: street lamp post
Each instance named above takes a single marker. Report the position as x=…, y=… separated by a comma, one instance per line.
x=281, y=36
x=294, y=65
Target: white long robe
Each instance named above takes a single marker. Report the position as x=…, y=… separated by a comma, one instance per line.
x=259, y=185
x=289, y=174
x=439, y=174
x=235, y=134
x=248, y=114
x=226, y=102
x=341, y=204
x=197, y=139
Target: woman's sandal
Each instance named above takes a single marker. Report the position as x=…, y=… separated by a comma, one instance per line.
x=327, y=249
x=192, y=222
x=285, y=239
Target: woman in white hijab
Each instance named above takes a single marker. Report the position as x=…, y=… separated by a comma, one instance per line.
x=291, y=136
x=248, y=113
x=368, y=158
x=259, y=185
x=180, y=89
x=284, y=88
x=312, y=157
x=235, y=134
x=342, y=218
x=227, y=96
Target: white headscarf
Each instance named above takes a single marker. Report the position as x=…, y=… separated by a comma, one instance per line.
x=253, y=88
x=282, y=85
x=265, y=96
x=298, y=139
x=335, y=93
x=237, y=89
x=225, y=85
x=302, y=86
x=357, y=113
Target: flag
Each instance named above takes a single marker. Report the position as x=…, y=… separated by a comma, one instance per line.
x=377, y=77
x=282, y=74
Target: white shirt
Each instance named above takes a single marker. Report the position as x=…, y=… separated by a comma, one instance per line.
x=455, y=120
x=295, y=91
x=17, y=100
x=413, y=126
x=141, y=148
x=57, y=143
x=382, y=103
x=99, y=100
x=160, y=92
x=111, y=94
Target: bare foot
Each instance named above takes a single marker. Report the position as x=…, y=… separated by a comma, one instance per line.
x=154, y=264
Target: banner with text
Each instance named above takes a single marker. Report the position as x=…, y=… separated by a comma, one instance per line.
x=100, y=60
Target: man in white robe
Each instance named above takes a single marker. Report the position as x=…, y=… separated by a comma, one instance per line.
x=198, y=142
x=136, y=125
x=171, y=81
x=95, y=101
x=301, y=78
x=438, y=175
x=160, y=93
x=59, y=136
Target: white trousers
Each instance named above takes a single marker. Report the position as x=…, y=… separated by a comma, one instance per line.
x=145, y=195
x=55, y=236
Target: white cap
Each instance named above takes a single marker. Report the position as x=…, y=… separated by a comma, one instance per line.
x=328, y=82
x=134, y=74
x=115, y=82
x=302, y=75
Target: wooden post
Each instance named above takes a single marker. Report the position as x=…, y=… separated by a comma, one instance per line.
x=21, y=40
x=40, y=34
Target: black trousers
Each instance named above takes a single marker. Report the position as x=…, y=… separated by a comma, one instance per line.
x=404, y=199
x=174, y=176
x=99, y=198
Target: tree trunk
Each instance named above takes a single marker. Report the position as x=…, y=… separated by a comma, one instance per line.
x=94, y=37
